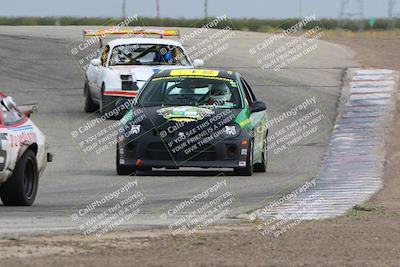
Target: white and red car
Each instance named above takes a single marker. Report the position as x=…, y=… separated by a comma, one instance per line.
x=127, y=63
x=23, y=154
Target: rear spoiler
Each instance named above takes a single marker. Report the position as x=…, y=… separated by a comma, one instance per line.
x=28, y=109
x=103, y=33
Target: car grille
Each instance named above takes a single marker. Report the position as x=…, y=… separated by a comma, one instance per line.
x=206, y=154
x=159, y=151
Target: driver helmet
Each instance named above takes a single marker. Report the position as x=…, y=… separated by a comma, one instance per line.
x=220, y=92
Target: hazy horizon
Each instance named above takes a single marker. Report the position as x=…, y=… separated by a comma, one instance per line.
x=267, y=9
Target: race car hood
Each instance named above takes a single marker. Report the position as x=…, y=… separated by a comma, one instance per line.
x=143, y=72
x=183, y=117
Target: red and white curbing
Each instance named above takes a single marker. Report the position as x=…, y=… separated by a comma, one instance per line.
x=353, y=165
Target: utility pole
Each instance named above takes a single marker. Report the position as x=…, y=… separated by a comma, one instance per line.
x=392, y=14
x=205, y=9
x=347, y=12
x=158, y=8
x=361, y=3
x=391, y=5
x=300, y=9
x=123, y=9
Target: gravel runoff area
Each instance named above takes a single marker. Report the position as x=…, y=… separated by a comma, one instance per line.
x=366, y=236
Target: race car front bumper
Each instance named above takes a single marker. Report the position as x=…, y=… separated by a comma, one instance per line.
x=150, y=150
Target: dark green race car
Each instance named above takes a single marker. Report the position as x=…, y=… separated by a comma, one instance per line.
x=194, y=118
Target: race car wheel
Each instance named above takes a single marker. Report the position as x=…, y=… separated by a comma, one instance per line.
x=89, y=105
x=248, y=170
x=123, y=169
x=262, y=167
x=21, y=188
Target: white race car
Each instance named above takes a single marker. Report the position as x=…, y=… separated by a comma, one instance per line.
x=126, y=64
x=23, y=154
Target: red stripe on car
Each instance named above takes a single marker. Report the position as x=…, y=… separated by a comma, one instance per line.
x=120, y=93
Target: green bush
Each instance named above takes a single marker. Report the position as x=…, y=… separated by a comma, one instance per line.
x=251, y=24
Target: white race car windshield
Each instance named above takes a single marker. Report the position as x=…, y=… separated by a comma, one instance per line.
x=148, y=54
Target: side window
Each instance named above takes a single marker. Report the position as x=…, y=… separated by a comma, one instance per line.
x=11, y=117
x=105, y=55
x=252, y=95
x=247, y=92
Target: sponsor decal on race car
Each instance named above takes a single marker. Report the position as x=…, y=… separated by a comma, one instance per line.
x=191, y=72
x=22, y=134
x=185, y=113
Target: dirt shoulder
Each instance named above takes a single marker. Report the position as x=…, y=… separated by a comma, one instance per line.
x=367, y=236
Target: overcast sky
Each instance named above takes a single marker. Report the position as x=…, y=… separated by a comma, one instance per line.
x=189, y=8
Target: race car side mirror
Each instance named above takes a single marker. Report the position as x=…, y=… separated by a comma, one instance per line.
x=28, y=109
x=258, y=106
x=9, y=103
x=198, y=63
x=95, y=62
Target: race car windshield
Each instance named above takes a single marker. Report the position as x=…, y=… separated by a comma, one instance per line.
x=193, y=91
x=148, y=54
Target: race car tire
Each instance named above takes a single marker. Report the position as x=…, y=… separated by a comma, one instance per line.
x=21, y=188
x=123, y=169
x=248, y=170
x=262, y=167
x=89, y=105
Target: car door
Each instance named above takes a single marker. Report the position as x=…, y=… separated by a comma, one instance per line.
x=4, y=148
x=8, y=148
x=258, y=120
x=97, y=74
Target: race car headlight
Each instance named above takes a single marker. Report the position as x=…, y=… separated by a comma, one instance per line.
x=135, y=129
x=231, y=131
x=127, y=130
